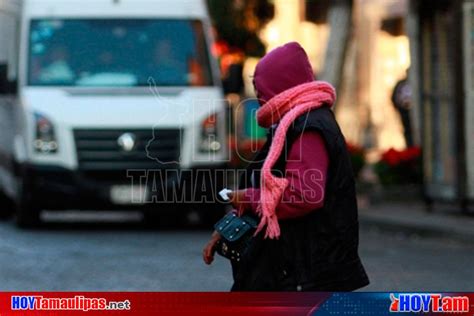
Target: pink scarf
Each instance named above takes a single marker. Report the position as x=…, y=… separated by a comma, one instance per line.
x=283, y=109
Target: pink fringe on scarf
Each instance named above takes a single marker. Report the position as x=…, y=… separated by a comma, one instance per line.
x=284, y=108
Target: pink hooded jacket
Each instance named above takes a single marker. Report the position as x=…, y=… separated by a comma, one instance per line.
x=283, y=68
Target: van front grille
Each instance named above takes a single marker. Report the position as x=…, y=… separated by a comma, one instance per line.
x=100, y=149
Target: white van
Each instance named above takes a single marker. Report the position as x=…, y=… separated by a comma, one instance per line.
x=96, y=93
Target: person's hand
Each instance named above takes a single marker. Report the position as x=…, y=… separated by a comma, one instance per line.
x=210, y=248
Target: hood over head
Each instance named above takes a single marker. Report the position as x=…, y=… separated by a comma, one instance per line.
x=283, y=68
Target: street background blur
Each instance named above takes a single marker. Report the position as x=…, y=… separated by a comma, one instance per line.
x=404, y=74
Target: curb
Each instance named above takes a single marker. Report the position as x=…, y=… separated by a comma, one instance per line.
x=425, y=230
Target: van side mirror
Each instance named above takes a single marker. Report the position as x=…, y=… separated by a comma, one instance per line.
x=6, y=86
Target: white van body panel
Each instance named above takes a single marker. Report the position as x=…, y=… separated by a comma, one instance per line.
x=185, y=109
x=70, y=108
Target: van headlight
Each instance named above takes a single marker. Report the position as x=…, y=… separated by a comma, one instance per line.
x=209, y=134
x=45, y=139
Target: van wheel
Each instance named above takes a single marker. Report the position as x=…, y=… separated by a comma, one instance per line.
x=27, y=215
x=7, y=207
x=28, y=218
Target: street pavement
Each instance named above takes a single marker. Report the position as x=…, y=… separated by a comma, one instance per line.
x=115, y=252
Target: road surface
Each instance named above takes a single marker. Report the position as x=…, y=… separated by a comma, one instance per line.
x=116, y=252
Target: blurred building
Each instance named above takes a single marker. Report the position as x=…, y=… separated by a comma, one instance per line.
x=443, y=54
x=431, y=42
x=377, y=57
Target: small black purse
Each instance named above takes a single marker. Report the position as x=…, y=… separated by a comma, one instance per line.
x=236, y=233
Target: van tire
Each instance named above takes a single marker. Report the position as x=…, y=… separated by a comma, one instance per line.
x=28, y=218
x=27, y=215
x=7, y=207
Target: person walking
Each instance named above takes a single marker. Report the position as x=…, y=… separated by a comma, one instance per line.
x=402, y=100
x=300, y=187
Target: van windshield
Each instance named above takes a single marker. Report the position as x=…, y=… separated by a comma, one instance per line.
x=117, y=52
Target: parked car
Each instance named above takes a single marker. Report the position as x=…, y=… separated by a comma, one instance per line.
x=97, y=96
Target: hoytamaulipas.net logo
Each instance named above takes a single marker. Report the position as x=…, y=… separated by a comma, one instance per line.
x=434, y=303
x=76, y=303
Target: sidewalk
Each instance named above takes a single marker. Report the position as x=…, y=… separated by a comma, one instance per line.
x=412, y=217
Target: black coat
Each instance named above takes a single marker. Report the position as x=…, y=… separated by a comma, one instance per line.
x=316, y=252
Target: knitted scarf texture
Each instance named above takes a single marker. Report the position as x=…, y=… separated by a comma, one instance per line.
x=283, y=109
